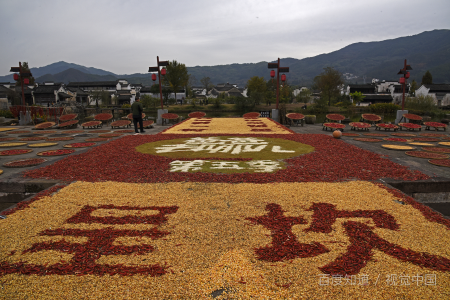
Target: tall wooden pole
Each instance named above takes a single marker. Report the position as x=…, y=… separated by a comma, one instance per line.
x=404, y=84
x=159, y=79
x=21, y=83
x=278, y=82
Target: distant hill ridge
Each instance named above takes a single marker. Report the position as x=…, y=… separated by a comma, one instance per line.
x=429, y=50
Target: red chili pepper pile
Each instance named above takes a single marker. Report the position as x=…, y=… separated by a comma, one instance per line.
x=371, y=117
x=251, y=115
x=197, y=114
x=68, y=117
x=97, y=139
x=103, y=117
x=395, y=139
x=421, y=139
x=15, y=152
x=91, y=123
x=62, y=138
x=120, y=123
x=68, y=123
x=410, y=125
x=434, y=124
x=169, y=116
x=79, y=145
x=110, y=135
x=119, y=161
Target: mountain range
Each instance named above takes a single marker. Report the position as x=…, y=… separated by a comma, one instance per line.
x=429, y=50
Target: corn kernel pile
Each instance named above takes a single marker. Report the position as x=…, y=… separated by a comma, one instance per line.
x=227, y=126
x=222, y=240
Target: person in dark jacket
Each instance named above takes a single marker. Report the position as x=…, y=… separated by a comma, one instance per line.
x=136, y=110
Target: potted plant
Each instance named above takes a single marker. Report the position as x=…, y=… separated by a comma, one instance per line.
x=310, y=119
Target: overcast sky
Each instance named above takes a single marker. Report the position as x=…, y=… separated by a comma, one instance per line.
x=125, y=37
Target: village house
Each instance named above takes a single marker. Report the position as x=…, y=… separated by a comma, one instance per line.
x=227, y=89
x=49, y=92
x=439, y=92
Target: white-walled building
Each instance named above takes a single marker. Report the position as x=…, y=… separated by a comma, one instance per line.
x=439, y=92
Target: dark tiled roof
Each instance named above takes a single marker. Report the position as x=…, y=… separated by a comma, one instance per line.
x=436, y=88
x=79, y=92
x=64, y=95
x=4, y=89
x=26, y=89
x=46, y=89
x=223, y=89
x=93, y=83
x=235, y=94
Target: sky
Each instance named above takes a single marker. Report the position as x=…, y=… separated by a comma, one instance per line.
x=124, y=37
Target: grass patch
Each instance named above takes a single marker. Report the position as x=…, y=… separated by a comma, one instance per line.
x=212, y=151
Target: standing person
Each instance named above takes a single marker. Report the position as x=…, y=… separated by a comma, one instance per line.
x=136, y=110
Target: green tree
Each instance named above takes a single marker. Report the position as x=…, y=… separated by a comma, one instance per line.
x=304, y=96
x=413, y=88
x=256, y=89
x=427, y=78
x=177, y=76
x=357, y=97
x=286, y=93
x=105, y=97
x=149, y=101
x=154, y=89
x=206, y=83
x=14, y=97
x=96, y=95
x=329, y=82
x=25, y=69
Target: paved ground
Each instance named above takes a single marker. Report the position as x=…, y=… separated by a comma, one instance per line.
x=396, y=156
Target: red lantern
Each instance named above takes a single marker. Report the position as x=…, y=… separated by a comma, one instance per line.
x=163, y=72
x=402, y=80
x=272, y=73
x=153, y=77
x=16, y=77
x=283, y=78
x=407, y=75
x=26, y=81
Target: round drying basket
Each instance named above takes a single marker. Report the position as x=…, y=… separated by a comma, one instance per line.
x=197, y=114
x=398, y=147
x=45, y=125
x=130, y=116
x=440, y=162
x=427, y=155
x=23, y=163
x=15, y=152
x=42, y=145
x=103, y=117
x=7, y=145
x=67, y=117
x=335, y=117
x=412, y=117
x=295, y=116
x=79, y=145
x=58, y=152
x=252, y=115
x=68, y=123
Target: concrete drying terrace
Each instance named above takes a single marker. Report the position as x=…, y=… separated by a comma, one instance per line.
x=434, y=192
